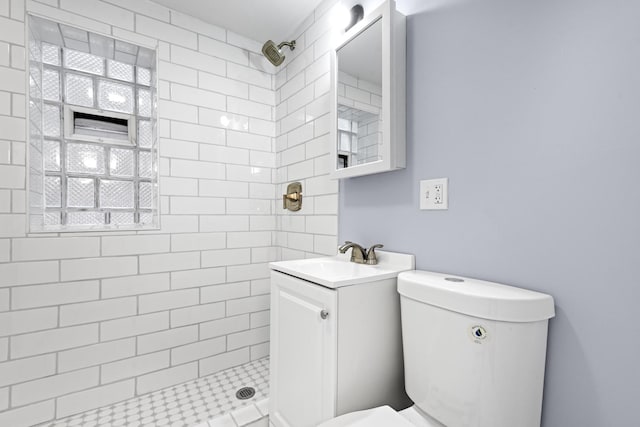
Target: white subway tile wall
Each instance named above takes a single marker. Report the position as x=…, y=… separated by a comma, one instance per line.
x=302, y=140
x=90, y=319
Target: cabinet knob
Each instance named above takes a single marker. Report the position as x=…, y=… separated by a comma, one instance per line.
x=324, y=314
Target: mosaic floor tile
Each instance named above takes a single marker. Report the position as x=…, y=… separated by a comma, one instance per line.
x=185, y=405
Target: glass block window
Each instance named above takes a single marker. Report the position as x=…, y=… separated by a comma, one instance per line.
x=120, y=71
x=103, y=174
x=83, y=62
x=115, y=96
x=79, y=89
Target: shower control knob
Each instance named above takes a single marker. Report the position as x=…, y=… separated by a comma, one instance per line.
x=324, y=314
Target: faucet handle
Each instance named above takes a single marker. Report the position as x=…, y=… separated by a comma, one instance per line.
x=371, y=257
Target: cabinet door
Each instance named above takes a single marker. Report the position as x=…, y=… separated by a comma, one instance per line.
x=303, y=352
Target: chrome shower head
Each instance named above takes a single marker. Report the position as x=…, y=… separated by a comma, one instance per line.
x=273, y=53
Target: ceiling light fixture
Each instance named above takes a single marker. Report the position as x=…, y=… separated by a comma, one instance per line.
x=357, y=13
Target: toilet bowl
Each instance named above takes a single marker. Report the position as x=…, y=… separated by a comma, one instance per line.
x=474, y=355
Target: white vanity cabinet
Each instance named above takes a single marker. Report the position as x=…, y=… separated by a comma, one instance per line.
x=336, y=346
x=303, y=352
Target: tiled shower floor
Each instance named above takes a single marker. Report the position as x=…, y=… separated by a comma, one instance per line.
x=201, y=402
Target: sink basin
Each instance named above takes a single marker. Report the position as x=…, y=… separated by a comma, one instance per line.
x=337, y=271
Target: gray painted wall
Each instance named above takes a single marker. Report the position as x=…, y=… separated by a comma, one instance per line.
x=532, y=109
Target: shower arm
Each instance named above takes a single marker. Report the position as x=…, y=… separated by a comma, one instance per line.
x=291, y=45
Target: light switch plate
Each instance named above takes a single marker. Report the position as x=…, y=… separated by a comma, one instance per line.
x=434, y=194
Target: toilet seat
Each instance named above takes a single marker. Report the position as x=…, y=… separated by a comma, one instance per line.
x=382, y=416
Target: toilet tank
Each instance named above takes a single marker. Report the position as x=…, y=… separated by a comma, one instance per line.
x=474, y=351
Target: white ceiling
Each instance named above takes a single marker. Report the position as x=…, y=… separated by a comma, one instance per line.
x=263, y=20
x=259, y=20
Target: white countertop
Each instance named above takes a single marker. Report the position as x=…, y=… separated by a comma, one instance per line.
x=337, y=271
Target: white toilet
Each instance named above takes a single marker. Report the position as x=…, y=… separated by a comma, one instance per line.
x=474, y=355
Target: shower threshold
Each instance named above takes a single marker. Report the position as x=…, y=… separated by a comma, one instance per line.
x=204, y=402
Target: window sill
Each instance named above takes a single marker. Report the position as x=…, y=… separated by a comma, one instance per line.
x=91, y=229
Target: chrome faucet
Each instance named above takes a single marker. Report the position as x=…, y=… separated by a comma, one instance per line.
x=359, y=255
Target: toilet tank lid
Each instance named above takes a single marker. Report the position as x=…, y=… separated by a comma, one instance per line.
x=476, y=298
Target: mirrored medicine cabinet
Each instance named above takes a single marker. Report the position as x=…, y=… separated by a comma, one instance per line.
x=368, y=95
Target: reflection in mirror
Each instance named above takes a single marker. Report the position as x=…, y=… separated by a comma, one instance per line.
x=358, y=136
x=360, y=98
